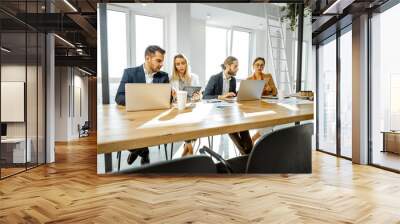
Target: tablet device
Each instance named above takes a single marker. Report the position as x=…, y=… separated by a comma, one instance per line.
x=191, y=89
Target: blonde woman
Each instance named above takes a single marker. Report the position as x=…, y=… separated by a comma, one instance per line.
x=181, y=77
x=269, y=89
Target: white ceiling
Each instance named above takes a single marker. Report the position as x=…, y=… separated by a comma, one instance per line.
x=229, y=17
x=148, y=8
x=246, y=15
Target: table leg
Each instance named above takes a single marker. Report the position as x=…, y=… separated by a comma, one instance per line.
x=172, y=149
x=165, y=150
x=119, y=154
x=108, y=162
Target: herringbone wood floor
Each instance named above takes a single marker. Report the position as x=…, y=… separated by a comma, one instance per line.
x=70, y=191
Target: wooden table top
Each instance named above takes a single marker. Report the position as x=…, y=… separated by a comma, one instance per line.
x=121, y=130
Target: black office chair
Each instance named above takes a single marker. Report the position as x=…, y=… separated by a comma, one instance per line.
x=84, y=130
x=286, y=150
x=199, y=164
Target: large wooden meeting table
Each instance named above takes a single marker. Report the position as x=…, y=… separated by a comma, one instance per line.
x=121, y=130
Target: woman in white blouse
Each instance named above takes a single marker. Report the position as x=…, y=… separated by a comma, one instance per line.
x=181, y=77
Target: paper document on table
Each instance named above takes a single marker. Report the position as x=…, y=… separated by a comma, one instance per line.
x=271, y=100
x=224, y=104
x=290, y=101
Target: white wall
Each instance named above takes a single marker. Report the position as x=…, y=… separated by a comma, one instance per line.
x=12, y=73
x=183, y=12
x=61, y=103
x=360, y=90
x=198, y=54
x=33, y=126
x=79, y=117
x=69, y=81
x=255, y=9
x=50, y=95
x=261, y=50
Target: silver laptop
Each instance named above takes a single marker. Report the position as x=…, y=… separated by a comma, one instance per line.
x=250, y=90
x=142, y=96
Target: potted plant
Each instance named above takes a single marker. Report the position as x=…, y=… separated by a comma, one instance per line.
x=291, y=13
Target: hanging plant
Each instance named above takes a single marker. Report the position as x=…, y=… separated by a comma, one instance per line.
x=291, y=14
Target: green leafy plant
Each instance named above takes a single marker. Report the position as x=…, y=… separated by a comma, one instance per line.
x=291, y=13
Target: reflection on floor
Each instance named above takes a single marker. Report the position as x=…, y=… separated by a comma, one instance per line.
x=221, y=144
x=11, y=169
x=346, y=152
x=386, y=159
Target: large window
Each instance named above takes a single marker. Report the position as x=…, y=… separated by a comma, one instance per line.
x=117, y=48
x=149, y=31
x=216, y=49
x=222, y=42
x=328, y=110
x=385, y=87
x=346, y=94
x=327, y=97
x=240, y=49
x=145, y=31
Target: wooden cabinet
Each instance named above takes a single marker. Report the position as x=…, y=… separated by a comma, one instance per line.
x=391, y=141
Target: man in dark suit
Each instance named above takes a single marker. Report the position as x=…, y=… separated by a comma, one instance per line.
x=149, y=72
x=223, y=86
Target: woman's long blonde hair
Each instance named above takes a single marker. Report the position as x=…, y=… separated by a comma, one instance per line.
x=186, y=77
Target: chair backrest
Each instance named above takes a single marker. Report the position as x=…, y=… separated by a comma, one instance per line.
x=198, y=164
x=86, y=125
x=287, y=150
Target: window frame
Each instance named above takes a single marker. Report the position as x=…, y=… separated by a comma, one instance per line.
x=371, y=15
x=226, y=46
x=250, y=47
x=229, y=40
x=126, y=11
x=132, y=32
x=334, y=37
x=116, y=80
x=130, y=16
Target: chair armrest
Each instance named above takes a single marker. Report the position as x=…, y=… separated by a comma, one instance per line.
x=205, y=149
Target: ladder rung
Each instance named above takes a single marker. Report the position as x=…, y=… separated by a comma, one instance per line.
x=276, y=26
x=281, y=59
x=275, y=17
x=278, y=37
